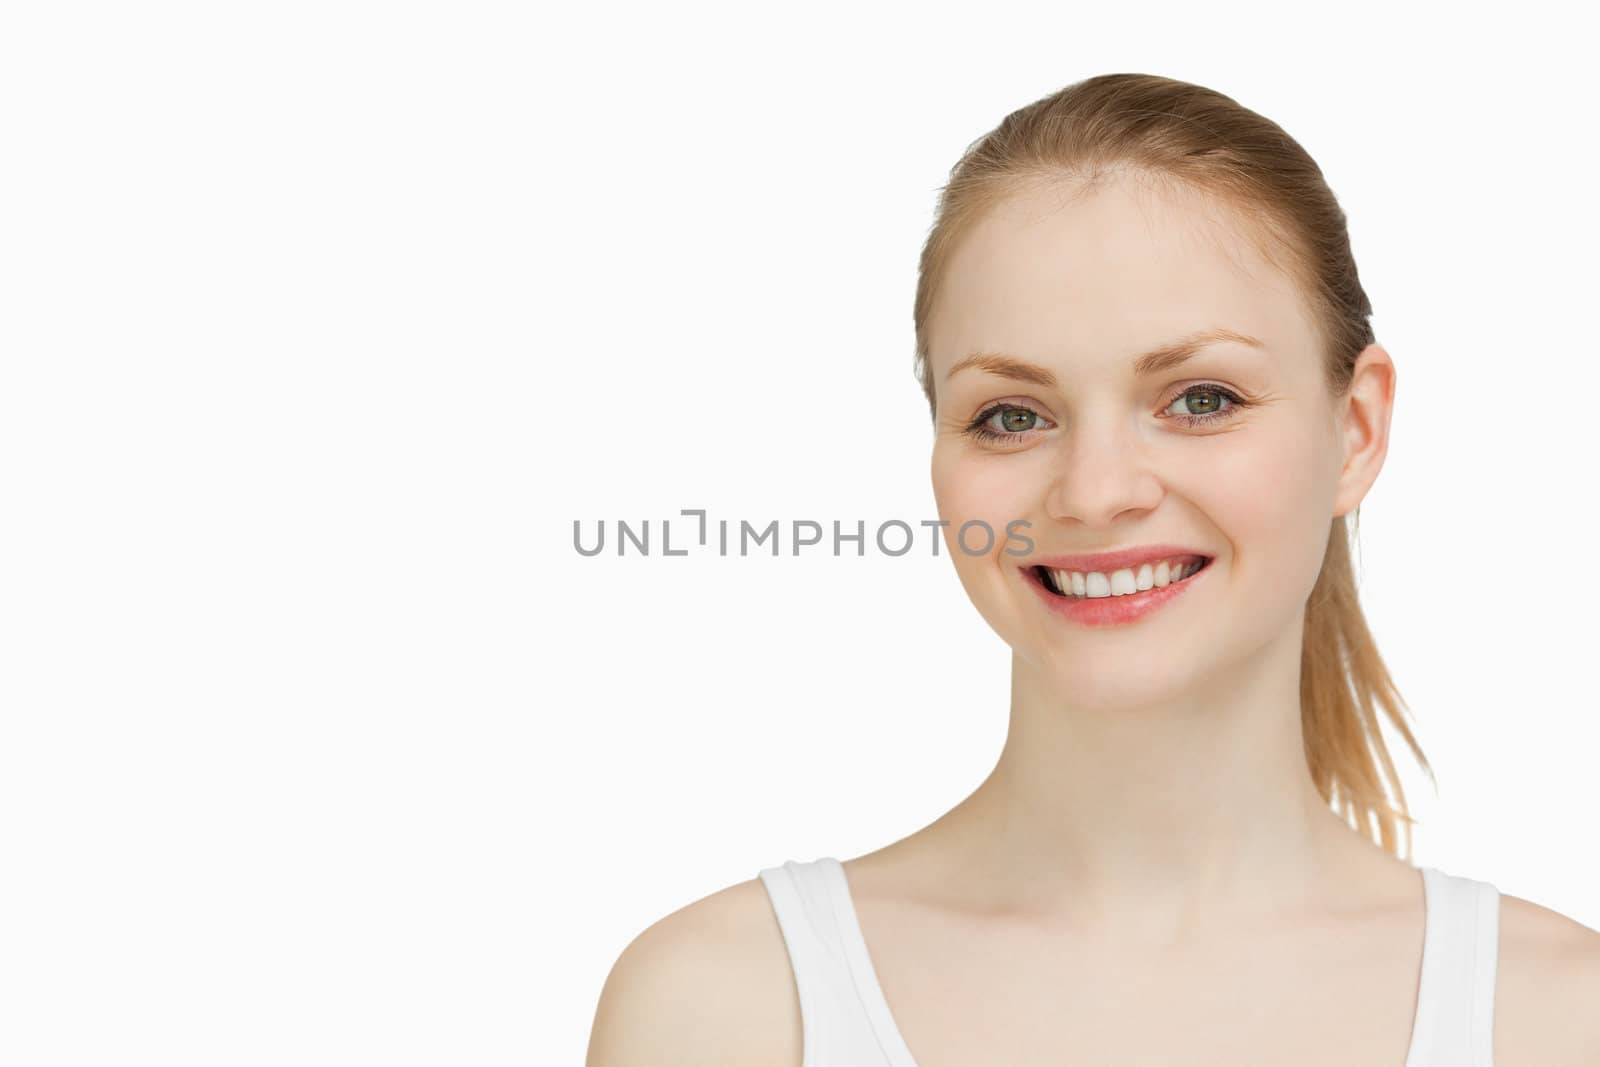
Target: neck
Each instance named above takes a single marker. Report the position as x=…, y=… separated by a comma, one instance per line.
x=1152, y=821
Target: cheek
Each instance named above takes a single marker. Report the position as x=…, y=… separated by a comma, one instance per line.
x=973, y=487
x=1272, y=498
x=993, y=489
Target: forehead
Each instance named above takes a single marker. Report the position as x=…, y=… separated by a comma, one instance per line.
x=1058, y=272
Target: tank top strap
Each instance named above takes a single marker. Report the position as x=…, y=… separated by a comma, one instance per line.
x=817, y=922
x=1460, y=957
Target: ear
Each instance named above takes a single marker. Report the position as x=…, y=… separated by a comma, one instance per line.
x=1363, y=425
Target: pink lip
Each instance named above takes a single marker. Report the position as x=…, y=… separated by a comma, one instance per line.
x=1106, y=562
x=1111, y=610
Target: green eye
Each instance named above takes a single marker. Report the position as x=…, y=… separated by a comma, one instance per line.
x=1205, y=405
x=1003, y=422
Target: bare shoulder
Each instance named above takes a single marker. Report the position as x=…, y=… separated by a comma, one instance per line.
x=709, y=984
x=1547, y=1000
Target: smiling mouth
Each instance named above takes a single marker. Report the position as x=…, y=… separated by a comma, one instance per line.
x=1127, y=581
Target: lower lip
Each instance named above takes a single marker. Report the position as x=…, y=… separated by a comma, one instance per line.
x=1112, y=610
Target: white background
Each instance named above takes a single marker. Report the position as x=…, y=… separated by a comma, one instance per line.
x=324, y=321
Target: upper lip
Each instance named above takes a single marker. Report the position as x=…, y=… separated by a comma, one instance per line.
x=1106, y=562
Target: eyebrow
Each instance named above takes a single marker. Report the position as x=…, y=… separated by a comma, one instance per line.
x=1154, y=361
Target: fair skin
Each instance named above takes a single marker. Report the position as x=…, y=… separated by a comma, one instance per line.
x=1153, y=783
x=1148, y=874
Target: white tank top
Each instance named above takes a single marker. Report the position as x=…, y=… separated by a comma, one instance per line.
x=846, y=1022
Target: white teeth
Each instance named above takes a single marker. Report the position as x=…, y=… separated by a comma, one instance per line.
x=1123, y=581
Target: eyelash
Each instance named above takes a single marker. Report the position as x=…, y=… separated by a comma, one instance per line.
x=1236, y=403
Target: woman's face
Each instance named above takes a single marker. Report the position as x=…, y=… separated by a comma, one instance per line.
x=1101, y=458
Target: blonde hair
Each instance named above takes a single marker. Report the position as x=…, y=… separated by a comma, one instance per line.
x=1196, y=138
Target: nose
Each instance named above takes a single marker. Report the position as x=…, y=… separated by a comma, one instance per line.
x=1103, y=470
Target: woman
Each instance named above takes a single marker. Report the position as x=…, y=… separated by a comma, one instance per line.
x=1147, y=355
